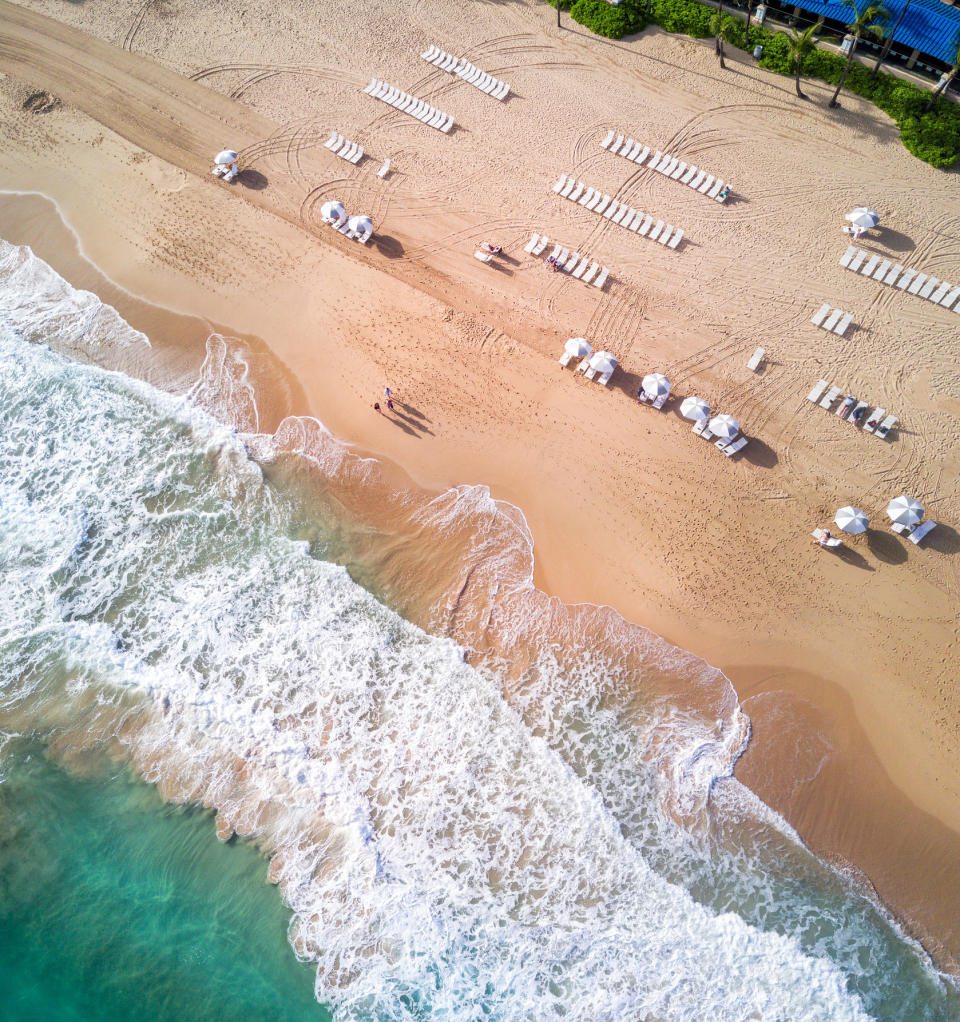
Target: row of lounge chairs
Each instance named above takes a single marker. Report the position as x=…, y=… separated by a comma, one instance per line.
x=875, y=266
x=408, y=104
x=853, y=410
x=617, y=212
x=577, y=265
x=352, y=152
x=668, y=165
x=727, y=447
x=471, y=74
x=914, y=533
x=836, y=319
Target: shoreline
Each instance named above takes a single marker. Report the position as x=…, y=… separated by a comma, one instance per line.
x=660, y=592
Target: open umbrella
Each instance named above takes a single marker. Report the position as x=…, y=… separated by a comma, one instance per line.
x=361, y=226
x=332, y=212
x=694, y=408
x=852, y=520
x=724, y=426
x=655, y=385
x=225, y=157
x=904, y=510
x=603, y=362
x=578, y=347
x=863, y=217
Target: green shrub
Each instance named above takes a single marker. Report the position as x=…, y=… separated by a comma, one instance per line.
x=606, y=20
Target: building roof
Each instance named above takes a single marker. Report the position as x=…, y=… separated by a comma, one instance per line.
x=929, y=26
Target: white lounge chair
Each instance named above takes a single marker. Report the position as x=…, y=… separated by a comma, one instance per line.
x=541, y=245
x=571, y=262
x=688, y=176
x=645, y=226
x=501, y=91
x=832, y=394
x=531, y=244
x=848, y=255
x=818, y=391
x=715, y=190
x=574, y=196
x=602, y=204
x=884, y=428
x=857, y=260
x=634, y=151
x=556, y=251
x=568, y=188
x=584, y=365
x=937, y=295
x=627, y=147
x=621, y=213
x=430, y=53
x=564, y=255
x=831, y=321
x=841, y=327
x=874, y=419
x=635, y=221
x=892, y=275
x=447, y=125
x=871, y=265
x=881, y=271
x=602, y=279
x=928, y=288
x=611, y=209
x=738, y=445
x=348, y=150
x=664, y=163
x=582, y=268
x=676, y=175
x=917, y=283
x=671, y=166
x=604, y=380
x=605, y=144
x=917, y=534
x=858, y=412
x=845, y=405
x=665, y=237
x=950, y=298
x=819, y=315
x=660, y=401
x=820, y=536
x=675, y=240
x=655, y=159
x=654, y=234
x=340, y=144
x=755, y=358
x=595, y=201
x=484, y=257
x=644, y=153
x=384, y=168
x=706, y=185
x=908, y=275
x=329, y=142
x=559, y=185
x=695, y=183
x=591, y=273
x=587, y=196
x=616, y=145
x=565, y=359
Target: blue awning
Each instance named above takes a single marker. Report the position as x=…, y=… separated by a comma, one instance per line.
x=928, y=26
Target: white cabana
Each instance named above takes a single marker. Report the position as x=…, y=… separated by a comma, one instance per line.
x=333, y=213
x=603, y=362
x=578, y=347
x=904, y=510
x=724, y=426
x=224, y=157
x=863, y=217
x=655, y=385
x=694, y=408
x=852, y=520
x=361, y=227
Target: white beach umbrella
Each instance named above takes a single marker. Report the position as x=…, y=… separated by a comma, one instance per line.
x=655, y=384
x=225, y=157
x=904, y=510
x=578, y=347
x=332, y=212
x=863, y=217
x=694, y=408
x=361, y=225
x=603, y=362
x=724, y=426
x=852, y=520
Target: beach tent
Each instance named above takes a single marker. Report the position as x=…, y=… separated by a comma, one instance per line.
x=904, y=510
x=863, y=217
x=655, y=385
x=361, y=226
x=694, y=408
x=852, y=520
x=225, y=157
x=603, y=362
x=332, y=212
x=724, y=426
x=578, y=347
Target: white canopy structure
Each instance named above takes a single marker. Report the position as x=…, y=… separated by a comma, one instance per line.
x=852, y=520
x=225, y=157
x=578, y=347
x=904, y=510
x=694, y=408
x=655, y=384
x=724, y=426
x=603, y=362
x=863, y=217
x=361, y=227
x=332, y=212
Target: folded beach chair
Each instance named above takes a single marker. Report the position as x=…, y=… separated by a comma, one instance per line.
x=642, y=155
x=587, y=196
x=917, y=283
x=688, y=176
x=819, y=534
x=605, y=144
x=881, y=271
x=831, y=321
x=581, y=269
x=874, y=419
x=656, y=231
x=655, y=159
x=848, y=255
x=589, y=275
x=937, y=295
x=574, y=196
x=908, y=275
x=817, y=391
x=884, y=428
x=531, y=244
x=567, y=188
x=917, y=534
x=738, y=445
x=665, y=237
x=695, y=183
x=384, y=168
x=892, y=275
x=675, y=240
x=602, y=279
x=845, y=405
x=715, y=190
x=856, y=416
x=871, y=265
x=484, y=257
x=645, y=226
x=950, y=298
x=706, y=185
x=755, y=359
x=819, y=315
x=571, y=262
x=560, y=183
x=841, y=327
x=540, y=246
x=611, y=209
x=832, y=394
x=616, y=145
x=929, y=287
x=857, y=260
x=602, y=204
x=676, y=175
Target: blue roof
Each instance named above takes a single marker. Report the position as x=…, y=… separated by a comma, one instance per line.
x=929, y=26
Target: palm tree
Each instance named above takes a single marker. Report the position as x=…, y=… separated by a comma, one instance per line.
x=869, y=21
x=800, y=45
x=558, y=13
x=724, y=28
x=946, y=79
x=884, y=53
x=746, y=36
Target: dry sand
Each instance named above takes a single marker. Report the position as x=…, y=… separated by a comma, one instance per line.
x=846, y=664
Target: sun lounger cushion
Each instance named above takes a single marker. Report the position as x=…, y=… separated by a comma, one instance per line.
x=920, y=531
x=819, y=315
x=675, y=240
x=832, y=394
x=818, y=391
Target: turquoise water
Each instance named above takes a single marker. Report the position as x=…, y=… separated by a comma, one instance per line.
x=550, y=835
x=115, y=906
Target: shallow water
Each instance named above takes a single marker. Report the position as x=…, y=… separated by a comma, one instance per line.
x=523, y=811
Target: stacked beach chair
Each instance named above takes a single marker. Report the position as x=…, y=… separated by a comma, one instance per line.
x=472, y=75
x=408, y=104
x=877, y=422
x=835, y=320
x=921, y=284
x=617, y=212
x=352, y=152
x=666, y=164
x=577, y=265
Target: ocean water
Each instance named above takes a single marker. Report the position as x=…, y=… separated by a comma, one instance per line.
x=474, y=801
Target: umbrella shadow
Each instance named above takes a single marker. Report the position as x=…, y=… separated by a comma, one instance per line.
x=759, y=453
x=894, y=240
x=252, y=179
x=387, y=246
x=853, y=557
x=885, y=547
x=944, y=539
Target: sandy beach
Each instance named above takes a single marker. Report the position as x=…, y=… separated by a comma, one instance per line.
x=846, y=664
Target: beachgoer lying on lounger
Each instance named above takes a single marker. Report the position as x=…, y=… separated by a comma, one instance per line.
x=824, y=538
x=724, y=192
x=641, y=395
x=488, y=246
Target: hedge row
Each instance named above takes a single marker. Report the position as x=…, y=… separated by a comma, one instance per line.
x=933, y=136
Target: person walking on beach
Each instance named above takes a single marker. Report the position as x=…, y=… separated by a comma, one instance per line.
x=387, y=393
x=376, y=408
